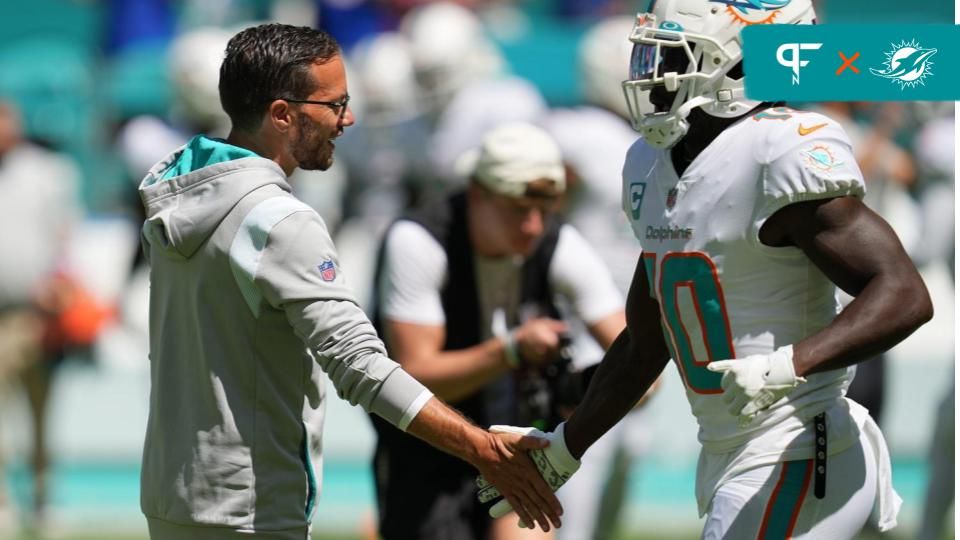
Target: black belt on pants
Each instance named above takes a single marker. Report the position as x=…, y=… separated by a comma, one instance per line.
x=820, y=456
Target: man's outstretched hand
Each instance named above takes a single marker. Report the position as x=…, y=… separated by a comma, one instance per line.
x=500, y=457
x=555, y=465
x=513, y=474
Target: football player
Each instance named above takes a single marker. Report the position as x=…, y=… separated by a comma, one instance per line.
x=750, y=218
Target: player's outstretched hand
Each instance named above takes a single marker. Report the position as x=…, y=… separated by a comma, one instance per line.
x=554, y=462
x=753, y=383
x=511, y=472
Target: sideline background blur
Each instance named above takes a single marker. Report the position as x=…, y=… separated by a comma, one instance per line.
x=79, y=70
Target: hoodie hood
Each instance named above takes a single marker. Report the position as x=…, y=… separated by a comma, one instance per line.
x=187, y=194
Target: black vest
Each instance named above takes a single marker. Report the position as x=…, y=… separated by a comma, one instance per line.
x=496, y=403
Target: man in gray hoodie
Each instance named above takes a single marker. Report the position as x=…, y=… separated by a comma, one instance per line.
x=248, y=303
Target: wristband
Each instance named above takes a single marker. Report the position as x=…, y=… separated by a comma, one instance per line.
x=510, y=352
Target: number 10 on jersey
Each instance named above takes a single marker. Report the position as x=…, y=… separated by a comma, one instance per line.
x=693, y=313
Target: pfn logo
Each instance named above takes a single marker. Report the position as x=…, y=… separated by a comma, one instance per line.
x=794, y=62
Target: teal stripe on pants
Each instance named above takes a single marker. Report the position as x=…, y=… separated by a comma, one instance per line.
x=784, y=506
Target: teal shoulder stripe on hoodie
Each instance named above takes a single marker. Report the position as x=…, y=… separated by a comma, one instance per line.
x=203, y=151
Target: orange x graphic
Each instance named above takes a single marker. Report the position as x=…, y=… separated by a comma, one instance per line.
x=848, y=63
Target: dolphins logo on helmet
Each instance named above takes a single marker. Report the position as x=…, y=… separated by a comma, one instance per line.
x=744, y=5
x=907, y=64
x=745, y=11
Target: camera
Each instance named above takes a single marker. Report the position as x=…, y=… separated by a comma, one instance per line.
x=547, y=394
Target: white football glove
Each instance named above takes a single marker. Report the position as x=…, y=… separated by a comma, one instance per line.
x=554, y=462
x=753, y=383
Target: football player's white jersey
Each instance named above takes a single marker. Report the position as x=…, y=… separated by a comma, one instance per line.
x=722, y=293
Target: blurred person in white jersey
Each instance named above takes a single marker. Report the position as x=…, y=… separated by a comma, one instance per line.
x=935, y=147
x=39, y=208
x=594, y=138
x=385, y=154
x=464, y=81
x=750, y=217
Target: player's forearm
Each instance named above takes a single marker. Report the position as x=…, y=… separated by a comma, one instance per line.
x=454, y=375
x=444, y=428
x=622, y=378
x=890, y=308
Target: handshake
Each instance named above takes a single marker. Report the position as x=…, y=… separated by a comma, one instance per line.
x=554, y=462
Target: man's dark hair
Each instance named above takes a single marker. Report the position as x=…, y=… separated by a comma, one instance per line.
x=267, y=62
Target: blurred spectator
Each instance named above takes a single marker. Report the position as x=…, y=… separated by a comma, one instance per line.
x=468, y=291
x=935, y=148
x=428, y=93
x=38, y=207
x=194, y=65
x=464, y=80
x=193, y=62
x=940, y=486
x=594, y=140
x=384, y=152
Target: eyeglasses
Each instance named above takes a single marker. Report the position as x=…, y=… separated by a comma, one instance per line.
x=338, y=107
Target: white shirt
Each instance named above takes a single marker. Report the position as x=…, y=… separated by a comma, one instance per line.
x=415, y=271
x=38, y=205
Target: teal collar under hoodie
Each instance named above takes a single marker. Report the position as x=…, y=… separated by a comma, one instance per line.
x=203, y=151
x=189, y=193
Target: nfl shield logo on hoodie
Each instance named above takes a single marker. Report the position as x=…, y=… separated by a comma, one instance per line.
x=327, y=271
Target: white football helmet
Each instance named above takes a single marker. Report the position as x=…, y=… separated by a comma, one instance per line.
x=450, y=49
x=194, y=62
x=603, y=55
x=703, y=35
x=384, y=66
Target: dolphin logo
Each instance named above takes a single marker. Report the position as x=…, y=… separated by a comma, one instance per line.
x=765, y=5
x=821, y=158
x=908, y=64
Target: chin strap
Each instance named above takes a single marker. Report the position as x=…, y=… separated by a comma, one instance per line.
x=664, y=130
x=685, y=109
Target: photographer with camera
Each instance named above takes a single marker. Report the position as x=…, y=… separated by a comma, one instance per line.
x=466, y=300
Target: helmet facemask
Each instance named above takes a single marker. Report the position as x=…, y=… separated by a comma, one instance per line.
x=694, y=66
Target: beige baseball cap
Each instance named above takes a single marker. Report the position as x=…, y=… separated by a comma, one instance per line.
x=512, y=156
